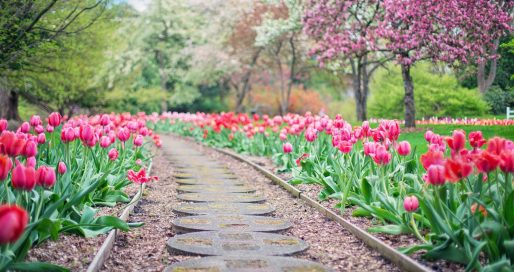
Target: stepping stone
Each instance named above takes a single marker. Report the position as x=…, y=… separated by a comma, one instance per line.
x=232, y=222
x=235, y=243
x=224, y=208
x=204, y=175
x=227, y=197
x=215, y=189
x=247, y=264
x=211, y=181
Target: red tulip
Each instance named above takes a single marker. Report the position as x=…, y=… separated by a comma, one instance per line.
x=496, y=145
x=435, y=175
x=507, y=161
x=411, y=203
x=3, y=125
x=45, y=176
x=345, y=147
x=403, y=148
x=23, y=178
x=456, y=169
x=62, y=168
x=54, y=119
x=140, y=177
x=476, y=140
x=487, y=162
x=432, y=157
x=11, y=145
x=287, y=147
x=5, y=166
x=13, y=220
x=457, y=141
x=113, y=154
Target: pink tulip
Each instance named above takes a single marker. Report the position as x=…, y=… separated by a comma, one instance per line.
x=31, y=162
x=39, y=129
x=403, y=148
x=287, y=147
x=104, y=120
x=123, y=134
x=13, y=220
x=25, y=127
x=54, y=119
x=411, y=203
x=3, y=125
x=62, y=168
x=86, y=133
x=105, y=141
x=381, y=156
x=435, y=175
x=138, y=141
x=41, y=138
x=49, y=128
x=35, y=121
x=68, y=135
x=23, y=178
x=113, y=154
x=30, y=149
x=45, y=176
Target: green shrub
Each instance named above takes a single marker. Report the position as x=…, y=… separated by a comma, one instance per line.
x=435, y=95
x=498, y=99
x=147, y=100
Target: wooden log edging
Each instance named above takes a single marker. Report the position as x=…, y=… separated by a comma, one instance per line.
x=105, y=250
x=401, y=260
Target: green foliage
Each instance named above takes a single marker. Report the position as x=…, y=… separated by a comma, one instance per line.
x=499, y=100
x=147, y=100
x=435, y=95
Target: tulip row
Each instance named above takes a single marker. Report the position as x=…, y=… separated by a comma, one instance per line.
x=54, y=175
x=460, y=121
x=457, y=202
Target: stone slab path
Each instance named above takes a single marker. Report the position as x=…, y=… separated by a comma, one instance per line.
x=228, y=225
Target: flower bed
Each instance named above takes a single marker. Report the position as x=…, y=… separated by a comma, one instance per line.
x=455, y=199
x=54, y=178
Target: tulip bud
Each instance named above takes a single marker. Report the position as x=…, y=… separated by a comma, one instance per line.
x=123, y=134
x=23, y=178
x=435, y=174
x=113, y=154
x=35, y=121
x=411, y=203
x=86, y=133
x=138, y=141
x=13, y=220
x=25, y=127
x=104, y=120
x=62, y=168
x=288, y=148
x=144, y=131
x=54, y=119
x=30, y=149
x=403, y=148
x=45, y=176
x=68, y=135
x=105, y=141
x=41, y=138
x=49, y=128
x=5, y=166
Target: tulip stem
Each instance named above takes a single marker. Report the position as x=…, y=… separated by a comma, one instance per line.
x=416, y=231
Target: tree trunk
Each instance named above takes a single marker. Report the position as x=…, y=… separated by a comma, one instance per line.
x=163, y=78
x=408, y=100
x=485, y=80
x=9, y=105
x=359, y=88
x=246, y=83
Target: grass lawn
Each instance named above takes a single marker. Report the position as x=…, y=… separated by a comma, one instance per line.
x=417, y=139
